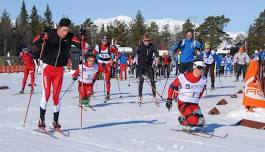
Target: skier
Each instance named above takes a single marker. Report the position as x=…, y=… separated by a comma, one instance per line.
x=187, y=47
x=86, y=82
x=104, y=51
x=28, y=60
x=166, y=65
x=145, y=53
x=209, y=60
x=228, y=64
x=188, y=89
x=241, y=60
x=54, y=57
x=123, y=65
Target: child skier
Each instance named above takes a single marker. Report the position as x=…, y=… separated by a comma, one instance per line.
x=189, y=88
x=86, y=82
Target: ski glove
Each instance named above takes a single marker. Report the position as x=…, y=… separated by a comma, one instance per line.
x=169, y=104
x=45, y=29
x=75, y=78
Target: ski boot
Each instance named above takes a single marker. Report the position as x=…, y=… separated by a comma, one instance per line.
x=41, y=125
x=21, y=91
x=140, y=101
x=56, y=125
x=85, y=103
x=107, y=98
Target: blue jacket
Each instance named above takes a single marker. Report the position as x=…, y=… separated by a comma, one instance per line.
x=123, y=59
x=262, y=55
x=187, y=49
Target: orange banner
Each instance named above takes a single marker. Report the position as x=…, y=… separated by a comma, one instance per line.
x=254, y=94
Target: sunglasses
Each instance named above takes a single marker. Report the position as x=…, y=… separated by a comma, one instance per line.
x=146, y=40
x=200, y=67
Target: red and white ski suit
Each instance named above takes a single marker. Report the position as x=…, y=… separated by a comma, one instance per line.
x=86, y=82
x=189, y=90
x=105, y=60
x=28, y=61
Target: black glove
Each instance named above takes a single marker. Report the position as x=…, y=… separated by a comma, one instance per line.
x=45, y=29
x=169, y=104
x=75, y=78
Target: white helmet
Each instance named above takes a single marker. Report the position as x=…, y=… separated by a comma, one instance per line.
x=199, y=64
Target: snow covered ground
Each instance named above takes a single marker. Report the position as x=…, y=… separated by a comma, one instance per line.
x=121, y=125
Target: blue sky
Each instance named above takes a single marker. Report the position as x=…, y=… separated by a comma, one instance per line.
x=241, y=12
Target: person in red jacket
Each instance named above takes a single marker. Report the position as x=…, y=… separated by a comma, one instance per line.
x=55, y=55
x=86, y=82
x=104, y=50
x=27, y=59
x=166, y=65
x=188, y=87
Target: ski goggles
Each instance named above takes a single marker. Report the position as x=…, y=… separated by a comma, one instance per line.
x=200, y=68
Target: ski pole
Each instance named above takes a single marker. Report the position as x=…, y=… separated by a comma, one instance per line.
x=83, y=44
x=220, y=81
x=155, y=91
x=70, y=86
x=164, y=87
x=130, y=76
x=119, y=87
x=31, y=92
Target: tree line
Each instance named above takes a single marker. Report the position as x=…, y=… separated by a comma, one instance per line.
x=26, y=26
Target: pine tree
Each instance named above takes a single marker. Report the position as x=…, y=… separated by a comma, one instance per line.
x=47, y=21
x=165, y=36
x=153, y=30
x=137, y=29
x=256, y=33
x=35, y=22
x=187, y=26
x=212, y=30
x=91, y=29
x=23, y=35
x=6, y=33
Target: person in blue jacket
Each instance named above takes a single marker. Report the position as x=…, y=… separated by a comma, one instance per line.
x=187, y=47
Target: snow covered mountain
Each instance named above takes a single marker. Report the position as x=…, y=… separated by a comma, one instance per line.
x=173, y=24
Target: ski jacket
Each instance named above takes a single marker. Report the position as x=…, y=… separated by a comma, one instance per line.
x=104, y=52
x=209, y=57
x=241, y=58
x=166, y=60
x=27, y=58
x=187, y=48
x=187, y=88
x=145, y=54
x=56, y=51
x=123, y=59
x=89, y=73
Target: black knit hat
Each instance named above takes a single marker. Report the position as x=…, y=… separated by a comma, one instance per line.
x=65, y=22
